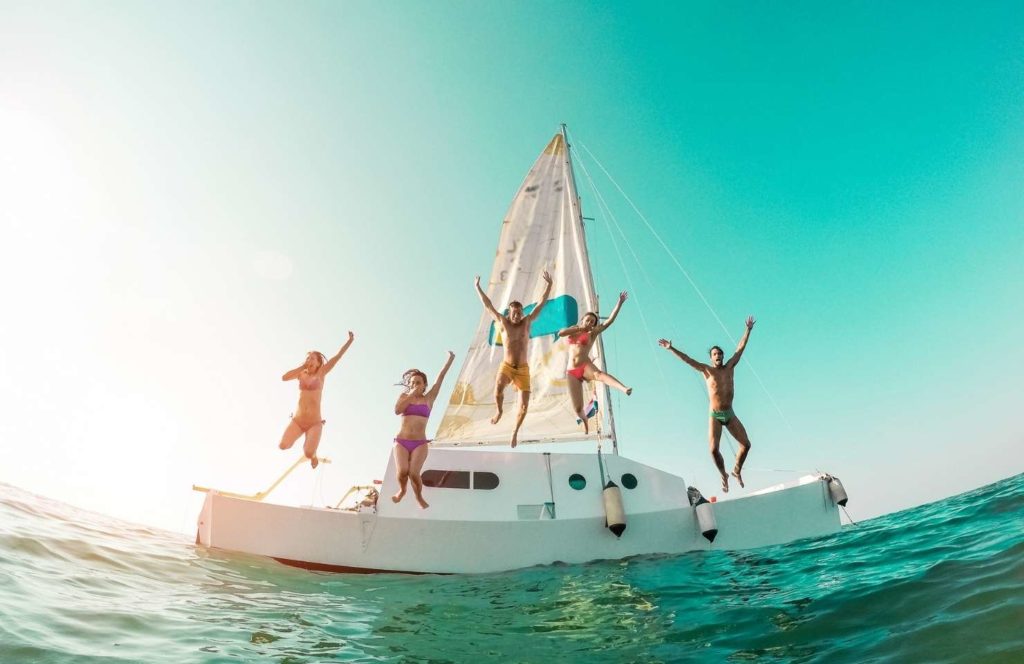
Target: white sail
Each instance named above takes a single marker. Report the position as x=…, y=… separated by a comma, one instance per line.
x=541, y=231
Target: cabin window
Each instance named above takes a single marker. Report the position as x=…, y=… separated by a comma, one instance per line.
x=577, y=481
x=629, y=481
x=446, y=479
x=484, y=480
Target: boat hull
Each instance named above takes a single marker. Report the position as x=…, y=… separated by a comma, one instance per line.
x=467, y=531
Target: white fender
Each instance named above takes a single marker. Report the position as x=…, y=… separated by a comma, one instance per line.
x=705, y=513
x=614, y=514
x=706, y=519
x=836, y=490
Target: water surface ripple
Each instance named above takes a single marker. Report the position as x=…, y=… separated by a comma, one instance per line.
x=943, y=582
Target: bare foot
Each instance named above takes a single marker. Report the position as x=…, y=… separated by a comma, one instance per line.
x=725, y=484
x=497, y=416
x=398, y=496
x=423, y=503
x=314, y=462
x=629, y=391
x=515, y=442
x=739, y=478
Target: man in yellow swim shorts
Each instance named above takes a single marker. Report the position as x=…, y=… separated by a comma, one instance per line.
x=515, y=368
x=518, y=376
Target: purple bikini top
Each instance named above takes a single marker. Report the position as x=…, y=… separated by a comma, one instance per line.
x=417, y=409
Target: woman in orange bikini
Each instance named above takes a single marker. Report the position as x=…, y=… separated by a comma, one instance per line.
x=414, y=405
x=306, y=419
x=581, y=367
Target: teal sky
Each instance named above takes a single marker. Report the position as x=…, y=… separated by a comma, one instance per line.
x=194, y=195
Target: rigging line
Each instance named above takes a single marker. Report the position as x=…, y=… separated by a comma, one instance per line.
x=605, y=209
x=660, y=241
x=593, y=394
x=605, y=214
x=625, y=272
x=695, y=384
x=551, y=485
x=636, y=259
x=600, y=466
x=603, y=203
x=688, y=278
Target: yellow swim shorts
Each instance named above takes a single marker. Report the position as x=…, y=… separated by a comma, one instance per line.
x=520, y=376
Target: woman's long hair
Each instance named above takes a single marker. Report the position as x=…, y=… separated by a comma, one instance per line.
x=408, y=375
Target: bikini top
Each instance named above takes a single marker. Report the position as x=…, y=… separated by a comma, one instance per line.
x=580, y=339
x=308, y=383
x=417, y=409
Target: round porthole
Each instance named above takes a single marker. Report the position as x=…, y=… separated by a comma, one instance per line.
x=629, y=481
x=577, y=481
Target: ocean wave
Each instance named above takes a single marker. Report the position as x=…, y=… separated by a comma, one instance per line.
x=939, y=582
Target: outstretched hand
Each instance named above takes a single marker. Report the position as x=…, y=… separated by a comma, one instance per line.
x=665, y=343
x=750, y=322
x=351, y=337
x=622, y=296
x=546, y=277
x=451, y=357
x=477, y=282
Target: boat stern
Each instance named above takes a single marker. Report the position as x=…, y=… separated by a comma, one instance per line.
x=204, y=525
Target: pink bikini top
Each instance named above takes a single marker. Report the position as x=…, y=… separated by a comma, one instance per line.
x=579, y=339
x=308, y=383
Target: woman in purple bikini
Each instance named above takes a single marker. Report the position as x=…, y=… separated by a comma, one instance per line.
x=411, y=442
x=306, y=419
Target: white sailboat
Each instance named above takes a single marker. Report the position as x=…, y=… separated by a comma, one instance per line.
x=495, y=510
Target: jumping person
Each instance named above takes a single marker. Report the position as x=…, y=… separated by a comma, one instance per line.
x=411, y=448
x=515, y=368
x=581, y=339
x=719, y=379
x=306, y=419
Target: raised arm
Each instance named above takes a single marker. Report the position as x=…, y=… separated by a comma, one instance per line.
x=543, y=298
x=570, y=331
x=601, y=327
x=735, y=359
x=666, y=344
x=432, y=394
x=487, y=301
x=293, y=373
x=334, y=360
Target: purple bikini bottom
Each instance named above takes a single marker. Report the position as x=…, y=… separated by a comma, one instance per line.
x=410, y=445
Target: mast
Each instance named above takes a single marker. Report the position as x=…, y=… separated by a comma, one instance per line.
x=575, y=202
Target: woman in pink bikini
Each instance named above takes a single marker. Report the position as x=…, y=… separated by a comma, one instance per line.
x=411, y=442
x=306, y=419
x=581, y=367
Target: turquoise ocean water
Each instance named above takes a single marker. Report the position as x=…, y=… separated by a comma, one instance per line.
x=940, y=582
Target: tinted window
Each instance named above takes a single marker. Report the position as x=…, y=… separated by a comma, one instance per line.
x=446, y=479
x=577, y=481
x=483, y=480
x=629, y=481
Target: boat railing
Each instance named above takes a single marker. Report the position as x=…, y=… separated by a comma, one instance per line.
x=359, y=487
x=260, y=495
